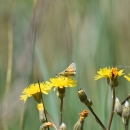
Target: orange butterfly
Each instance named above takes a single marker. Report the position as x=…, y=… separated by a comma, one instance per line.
x=70, y=71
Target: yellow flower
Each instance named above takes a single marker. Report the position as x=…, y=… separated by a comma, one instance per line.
x=33, y=90
x=111, y=74
x=61, y=82
x=108, y=73
x=127, y=77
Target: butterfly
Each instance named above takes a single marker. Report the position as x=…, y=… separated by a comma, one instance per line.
x=70, y=71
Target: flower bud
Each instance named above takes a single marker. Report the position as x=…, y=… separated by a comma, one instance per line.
x=37, y=96
x=89, y=103
x=80, y=122
x=63, y=127
x=41, y=113
x=118, y=107
x=79, y=125
x=61, y=93
x=126, y=112
x=113, y=82
x=82, y=96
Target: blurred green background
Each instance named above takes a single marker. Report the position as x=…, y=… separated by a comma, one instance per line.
x=42, y=38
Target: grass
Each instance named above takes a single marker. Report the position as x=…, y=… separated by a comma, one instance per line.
x=93, y=34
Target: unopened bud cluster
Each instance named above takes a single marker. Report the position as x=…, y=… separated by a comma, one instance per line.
x=122, y=110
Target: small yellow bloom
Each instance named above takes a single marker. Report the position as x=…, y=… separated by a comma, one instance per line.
x=61, y=82
x=108, y=73
x=40, y=106
x=127, y=77
x=33, y=90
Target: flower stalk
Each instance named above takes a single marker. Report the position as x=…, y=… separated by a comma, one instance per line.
x=61, y=95
x=126, y=125
x=54, y=125
x=112, y=109
x=61, y=108
x=97, y=119
x=127, y=98
x=83, y=98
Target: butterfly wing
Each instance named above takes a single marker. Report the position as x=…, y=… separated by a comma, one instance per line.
x=70, y=71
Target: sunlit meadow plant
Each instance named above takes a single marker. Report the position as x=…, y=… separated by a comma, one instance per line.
x=64, y=80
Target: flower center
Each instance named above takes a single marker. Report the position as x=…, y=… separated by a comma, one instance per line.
x=114, y=72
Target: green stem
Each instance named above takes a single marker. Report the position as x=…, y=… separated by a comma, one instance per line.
x=127, y=98
x=112, y=109
x=126, y=125
x=51, y=120
x=97, y=119
x=61, y=107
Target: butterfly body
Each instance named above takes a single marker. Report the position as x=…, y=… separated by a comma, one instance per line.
x=70, y=71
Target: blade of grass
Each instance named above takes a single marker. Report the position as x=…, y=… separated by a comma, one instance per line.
x=8, y=78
